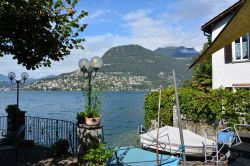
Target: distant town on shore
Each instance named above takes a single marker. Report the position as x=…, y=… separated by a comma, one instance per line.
x=126, y=68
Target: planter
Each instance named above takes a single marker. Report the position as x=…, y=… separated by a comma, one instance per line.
x=92, y=121
x=15, y=120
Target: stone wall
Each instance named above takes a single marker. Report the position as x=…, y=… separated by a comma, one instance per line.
x=202, y=129
x=88, y=136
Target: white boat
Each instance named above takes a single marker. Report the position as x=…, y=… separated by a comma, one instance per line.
x=169, y=141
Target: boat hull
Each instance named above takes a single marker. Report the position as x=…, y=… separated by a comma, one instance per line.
x=140, y=157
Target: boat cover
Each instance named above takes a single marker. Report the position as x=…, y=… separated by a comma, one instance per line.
x=169, y=137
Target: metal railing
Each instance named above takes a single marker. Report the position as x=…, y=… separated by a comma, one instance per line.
x=45, y=132
x=3, y=125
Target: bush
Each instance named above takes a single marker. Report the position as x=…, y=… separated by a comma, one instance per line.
x=12, y=108
x=151, y=107
x=60, y=147
x=199, y=105
x=97, y=156
x=80, y=117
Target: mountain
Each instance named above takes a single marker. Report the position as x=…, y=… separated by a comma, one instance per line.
x=6, y=83
x=48, y=77
x=3, y=78
x=177, y=52
x=140, y=61
x=129, y=67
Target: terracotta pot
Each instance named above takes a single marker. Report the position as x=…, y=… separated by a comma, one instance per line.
x=92, y=121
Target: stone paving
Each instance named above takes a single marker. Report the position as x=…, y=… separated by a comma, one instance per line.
x=36, y=156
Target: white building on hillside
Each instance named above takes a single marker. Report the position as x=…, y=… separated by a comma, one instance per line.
x=231, y=64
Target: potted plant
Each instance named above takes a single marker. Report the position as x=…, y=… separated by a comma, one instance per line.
x=91, y=116
x=97, y=156
x=12, y=108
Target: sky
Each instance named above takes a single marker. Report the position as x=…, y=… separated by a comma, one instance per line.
x=149, y=23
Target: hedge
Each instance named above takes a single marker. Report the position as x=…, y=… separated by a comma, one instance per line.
x=199, y=106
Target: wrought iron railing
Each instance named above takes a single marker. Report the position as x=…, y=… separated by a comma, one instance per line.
x=3, y=124
x=45, y=131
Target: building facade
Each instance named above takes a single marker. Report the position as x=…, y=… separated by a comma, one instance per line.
x=231, y=64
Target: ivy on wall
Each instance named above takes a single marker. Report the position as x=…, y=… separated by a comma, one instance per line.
x=199, y=105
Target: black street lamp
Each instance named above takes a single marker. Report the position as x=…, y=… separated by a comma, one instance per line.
x=89, y=69
x=24, y=77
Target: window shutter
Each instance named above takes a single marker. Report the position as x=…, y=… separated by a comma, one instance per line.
x=228, y=53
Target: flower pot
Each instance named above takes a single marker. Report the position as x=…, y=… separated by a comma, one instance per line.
x=92, y=121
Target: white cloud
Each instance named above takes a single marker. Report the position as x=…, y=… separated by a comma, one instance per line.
x=94, y=46
x=97, y=16
x=184, y=10
x=69, y=64
x=99, y=13
x=144, y=27
x=98, y=45
x=153, y=33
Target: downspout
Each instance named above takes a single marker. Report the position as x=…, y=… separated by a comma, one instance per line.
x=208, y=35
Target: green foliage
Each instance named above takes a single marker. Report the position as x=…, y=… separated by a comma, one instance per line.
x=98, y=156
x=80, y=117
x=38, y=31
x=202, y=73
x=12, y=108
x=93, y=110
x=151, y=107
x=248, y=117
x=198, y=105
x=60, y=147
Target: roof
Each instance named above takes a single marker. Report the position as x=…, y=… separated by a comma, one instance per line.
x=236, y=27
x=207, y=27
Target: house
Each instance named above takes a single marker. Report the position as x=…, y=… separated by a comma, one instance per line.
x=230, y=47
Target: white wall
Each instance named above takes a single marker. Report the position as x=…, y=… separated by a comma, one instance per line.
x=224, y=75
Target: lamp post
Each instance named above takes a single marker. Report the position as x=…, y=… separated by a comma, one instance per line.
x=89, y=69
x=24, y=77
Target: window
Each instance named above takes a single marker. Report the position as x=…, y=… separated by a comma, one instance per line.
x=241, y=48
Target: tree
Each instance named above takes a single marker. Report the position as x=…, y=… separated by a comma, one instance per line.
x=36, y=32
x=202, y=73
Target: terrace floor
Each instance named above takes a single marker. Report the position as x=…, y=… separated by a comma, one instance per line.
x=35, y=156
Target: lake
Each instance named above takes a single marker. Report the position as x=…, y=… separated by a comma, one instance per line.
x=122, y=112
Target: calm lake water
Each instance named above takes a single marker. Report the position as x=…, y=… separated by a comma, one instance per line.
x=122, y=112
